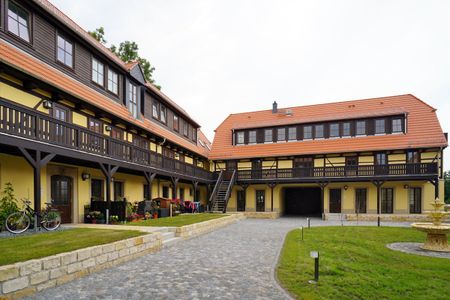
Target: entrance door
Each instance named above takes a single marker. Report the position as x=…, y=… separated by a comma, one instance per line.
x=230, y=165
x=303, y=166
x=361, y=201
x=256, y=169
x=335, y=201
x=61, y=194
x=351, y=165
x=260, y=200
x=415, y=200
x=240, y=200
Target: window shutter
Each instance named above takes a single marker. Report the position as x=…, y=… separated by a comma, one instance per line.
x=260, y=136
x=299, y=133
x=370, y=127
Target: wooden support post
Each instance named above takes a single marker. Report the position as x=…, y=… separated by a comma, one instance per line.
x=322, y=186
x=108, y=171
x=149, y=177
x=37, y=163
x=174, y=186
x=195, y=185
x=435, y=183
x=378, y=184
x=272, y=185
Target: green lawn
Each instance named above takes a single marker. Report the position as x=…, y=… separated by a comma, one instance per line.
x=21, y=248
x=178, y=221
x=355, y=264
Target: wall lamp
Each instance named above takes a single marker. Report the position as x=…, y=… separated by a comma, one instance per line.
x=108, y=128
x=47, y=104
x=406, y=186
x=85, y=176
x=345, y=187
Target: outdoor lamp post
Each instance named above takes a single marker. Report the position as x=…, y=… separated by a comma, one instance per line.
x=315, y=255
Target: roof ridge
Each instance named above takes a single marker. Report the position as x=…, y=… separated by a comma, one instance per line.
x=330, y=102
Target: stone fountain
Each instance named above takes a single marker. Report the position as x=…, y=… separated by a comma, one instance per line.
x=436, y=231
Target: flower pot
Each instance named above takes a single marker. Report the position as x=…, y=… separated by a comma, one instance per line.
x=155, y=215
x=94, y=221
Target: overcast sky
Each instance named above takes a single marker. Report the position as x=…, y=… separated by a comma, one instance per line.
x=220, y=57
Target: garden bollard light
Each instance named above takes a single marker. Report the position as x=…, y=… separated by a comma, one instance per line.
x=315, y=255
x=309, y=222
x=301, y=228
x=107, y=216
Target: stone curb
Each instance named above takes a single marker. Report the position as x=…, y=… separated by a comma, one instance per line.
x=26, y=278
x=196, y=229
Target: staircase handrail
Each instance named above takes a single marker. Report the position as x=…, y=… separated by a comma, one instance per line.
x=212, y=198
x=230, y=187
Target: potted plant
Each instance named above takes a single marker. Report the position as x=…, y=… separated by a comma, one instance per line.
x=96, y=217
x=114, y=219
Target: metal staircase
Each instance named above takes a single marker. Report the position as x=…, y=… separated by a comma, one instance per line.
x=222, y=192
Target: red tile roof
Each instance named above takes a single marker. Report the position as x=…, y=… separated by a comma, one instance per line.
x=20, y=60
x=423, y=128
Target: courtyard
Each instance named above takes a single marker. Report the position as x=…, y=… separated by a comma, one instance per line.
x=239, y=262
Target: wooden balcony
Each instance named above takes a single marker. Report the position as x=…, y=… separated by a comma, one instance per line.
x=419, y=171
x=24, y=123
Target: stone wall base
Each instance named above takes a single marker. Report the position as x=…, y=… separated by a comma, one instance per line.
x=192, y=230
x=383, y=217
x=26, y=278
x=262, y=215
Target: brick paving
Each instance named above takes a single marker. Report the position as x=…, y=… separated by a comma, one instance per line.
x=235, y=262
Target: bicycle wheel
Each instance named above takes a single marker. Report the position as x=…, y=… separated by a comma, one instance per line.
x=17, y=222
x=51, y=220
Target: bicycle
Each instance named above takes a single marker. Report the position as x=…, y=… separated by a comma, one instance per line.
x=20, y=221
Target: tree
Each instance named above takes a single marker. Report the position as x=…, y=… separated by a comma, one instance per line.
x=98, y=34
x=127, y=51
x=447, y=186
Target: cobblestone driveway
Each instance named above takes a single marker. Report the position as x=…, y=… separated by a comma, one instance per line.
x=236, y=262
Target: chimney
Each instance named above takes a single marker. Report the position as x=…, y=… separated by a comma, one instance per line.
x=274, y=107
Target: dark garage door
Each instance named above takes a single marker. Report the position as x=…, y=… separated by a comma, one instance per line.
x=302, y=201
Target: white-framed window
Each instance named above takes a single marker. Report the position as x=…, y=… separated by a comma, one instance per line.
x=281, y=134
x=361, y=128
x=98, y=71
x=185, y=128
x=18, y=21
x=132, y=100
x=252, y=137
x=240, y=137
x=346, y=129
x=307, y=132
x=176, y=123
x=155, y=110
x=292, y=133
x=334, y=130
x=318, y=132
x=268, y=135
x=64, y=51
x=380, y=126
x=113, y=82
x=397, y=125
x=162, y=113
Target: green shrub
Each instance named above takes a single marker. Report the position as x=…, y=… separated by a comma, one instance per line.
x=8, y=204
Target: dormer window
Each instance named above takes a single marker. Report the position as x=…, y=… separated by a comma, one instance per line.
x=292, y=133
x=132, y=100
x=318, y=134
x=307, y=132
x=334, y=130
x=163, y=114
x=240, y=138
x=113, y=82
x=397, y=126
x=18, y=21
x=380, y=127
x=252, y=137
x=281, y=134
x=98, y=71
x=155, y=110
x=268, y=136
x=64, y=51
x=361, y=128
x=185, y=128
x=346, y=129
x=176, y=123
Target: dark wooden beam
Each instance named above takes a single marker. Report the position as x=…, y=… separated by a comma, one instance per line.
x=149, y=177
x=195, y=185
x=174, y=186
x=378, y=184
x=322, y=185
x=37, y=162
x=108, y=171
x=272, y=185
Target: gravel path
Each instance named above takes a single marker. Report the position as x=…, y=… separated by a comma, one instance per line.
x=235, y=262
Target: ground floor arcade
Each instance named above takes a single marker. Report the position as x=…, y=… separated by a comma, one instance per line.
x=70, y=187
x=407, y=198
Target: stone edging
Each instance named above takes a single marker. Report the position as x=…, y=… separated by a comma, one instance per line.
x=192, y=230
x=25, y=278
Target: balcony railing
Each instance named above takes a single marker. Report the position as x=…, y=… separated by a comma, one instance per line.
x=19, y=121
x=365, y=171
